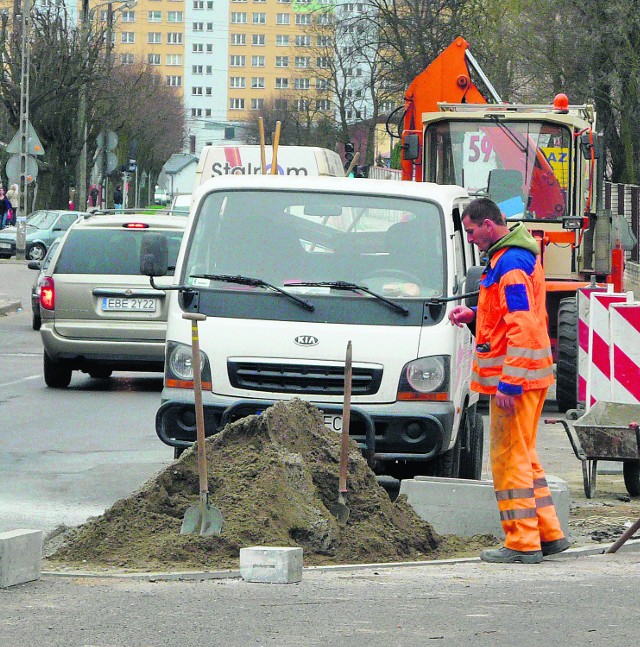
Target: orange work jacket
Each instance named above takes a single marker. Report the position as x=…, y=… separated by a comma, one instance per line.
x=513, y=350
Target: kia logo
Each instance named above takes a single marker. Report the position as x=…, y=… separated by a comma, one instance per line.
x=306, y=340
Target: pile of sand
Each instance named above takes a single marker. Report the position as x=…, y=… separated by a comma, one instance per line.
x=274, y=478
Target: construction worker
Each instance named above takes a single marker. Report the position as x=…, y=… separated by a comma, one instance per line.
x=514, y=366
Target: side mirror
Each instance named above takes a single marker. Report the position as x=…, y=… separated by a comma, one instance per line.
x=154, y=255
x=34, y=265
x=410, y=146
x=588, y=147
x=472, y=284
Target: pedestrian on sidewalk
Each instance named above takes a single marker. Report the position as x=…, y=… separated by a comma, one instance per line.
x=6, y=210
x=514, y=366
x=117, y=198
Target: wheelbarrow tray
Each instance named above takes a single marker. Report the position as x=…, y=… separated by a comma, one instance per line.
x=604, y=434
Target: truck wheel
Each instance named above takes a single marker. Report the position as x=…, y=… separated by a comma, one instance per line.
x=471, y=461
x=447, y=464
x=567, y=360
x=631, y=473
x=56, y=375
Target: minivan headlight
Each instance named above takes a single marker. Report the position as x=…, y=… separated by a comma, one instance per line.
x=179, y=368
x=425, y=378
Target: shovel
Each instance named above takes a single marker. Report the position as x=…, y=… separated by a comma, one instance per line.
x=340, y=510
x=203, y=518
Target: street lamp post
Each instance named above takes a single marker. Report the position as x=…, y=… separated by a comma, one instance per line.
x=81, y=185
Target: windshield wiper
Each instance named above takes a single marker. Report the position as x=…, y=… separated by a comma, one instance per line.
x=353, y=287
x=258, y=283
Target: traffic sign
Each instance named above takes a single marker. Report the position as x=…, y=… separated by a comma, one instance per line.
x=34, y=146
x=108, y=137
x=13, y=169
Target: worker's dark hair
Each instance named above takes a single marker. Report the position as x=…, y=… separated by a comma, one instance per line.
x=483, y=209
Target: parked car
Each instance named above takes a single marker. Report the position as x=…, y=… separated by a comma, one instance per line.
x=99, y=314
x=160, y=196
x=43, y=227
x=41, y=266
x=180, y=204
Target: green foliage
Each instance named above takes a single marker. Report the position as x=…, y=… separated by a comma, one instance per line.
x=395, y=156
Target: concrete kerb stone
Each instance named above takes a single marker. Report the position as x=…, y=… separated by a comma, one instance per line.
x=631, y=546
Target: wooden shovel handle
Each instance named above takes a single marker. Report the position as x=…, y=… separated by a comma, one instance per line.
x=263, y=152
x=197, y=393
x=276, y=142
x=346, y=419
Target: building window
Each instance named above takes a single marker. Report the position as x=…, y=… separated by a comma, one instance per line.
x=174, y=81
x=154, y=16
x=257, y=61
x=153, y=59
x=174, y=38
x=259, y=18
x=127, y=59
x=282, y=61
x=236, y=104
x=301, y=84
x=207, y=112
x=198, y=26
x=209, y=48
x=323, y=104
x=128, y=37
x=324, y=41
x=284, y=1
x=237, y=82
x=196, y=69
x=257, y=82
x=302, y=61
x=387, y=106
x=209, y=26
x=301, y=105
x=282, y=41
x=303, y=41
x=207, y=91
x=208, y=69
x=197, y=48
x=238, y=0
x=283, y=19
x=174, y=16
x=198, y=4
x=238, y=17
x=128, y=16
x=280, y=104
x=323, y=62
x=174, y=59
x=196, y=91
x=322, y=84
x=238, y=39
x=258, y=40
x=154, y=38
x=196, y=112
x=257, y=104
x=303, y=19
x=238, y=61
x=324, y=19
x=282, y=83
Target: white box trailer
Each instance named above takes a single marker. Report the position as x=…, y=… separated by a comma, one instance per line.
x=216, y=161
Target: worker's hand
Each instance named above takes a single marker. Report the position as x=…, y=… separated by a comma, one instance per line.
x=505, y=401
x=461, y=315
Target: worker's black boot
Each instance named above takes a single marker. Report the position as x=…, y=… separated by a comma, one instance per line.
x=506, y=555
x=556, y=546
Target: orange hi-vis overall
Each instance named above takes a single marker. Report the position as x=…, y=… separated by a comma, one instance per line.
x=513, y=355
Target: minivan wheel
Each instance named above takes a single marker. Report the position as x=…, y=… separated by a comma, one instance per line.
x=37, y=252
x=56, y=375
x=471, y=459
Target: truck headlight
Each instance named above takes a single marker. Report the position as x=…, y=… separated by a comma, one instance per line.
x=425, y=378
x=179, y=369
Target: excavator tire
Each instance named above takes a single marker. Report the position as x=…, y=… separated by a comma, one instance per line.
x=567, y=360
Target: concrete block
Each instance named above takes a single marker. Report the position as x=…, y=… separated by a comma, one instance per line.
x=271, y=564
x=20, y=556
x=466, y=508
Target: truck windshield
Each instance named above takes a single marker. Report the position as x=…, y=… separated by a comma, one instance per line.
x=523, y=166
x=390, y=245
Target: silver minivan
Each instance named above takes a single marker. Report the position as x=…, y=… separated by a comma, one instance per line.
x=98, y=312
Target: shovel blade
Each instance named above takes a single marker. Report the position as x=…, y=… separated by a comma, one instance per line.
x=192, y=520
x=211, y=522
x=340, y=510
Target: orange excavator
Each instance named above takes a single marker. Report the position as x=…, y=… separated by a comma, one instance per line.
x=542, y=164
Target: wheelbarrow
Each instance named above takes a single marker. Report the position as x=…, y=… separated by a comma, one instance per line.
x=607, y=432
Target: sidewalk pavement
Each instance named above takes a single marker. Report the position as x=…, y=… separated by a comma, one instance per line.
x=8, y=305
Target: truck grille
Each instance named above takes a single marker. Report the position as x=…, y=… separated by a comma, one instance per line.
x=293, y=378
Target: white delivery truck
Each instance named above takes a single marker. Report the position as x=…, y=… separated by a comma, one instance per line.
x=288, y=270
x=216, y=161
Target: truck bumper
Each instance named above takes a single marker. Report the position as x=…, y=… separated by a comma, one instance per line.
x=409, y=431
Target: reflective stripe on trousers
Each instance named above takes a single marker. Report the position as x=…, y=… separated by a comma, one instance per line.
x=527, y=512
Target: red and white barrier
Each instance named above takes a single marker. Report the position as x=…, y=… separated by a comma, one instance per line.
x=598, y=385
x=624, y=352
x=584, y=308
